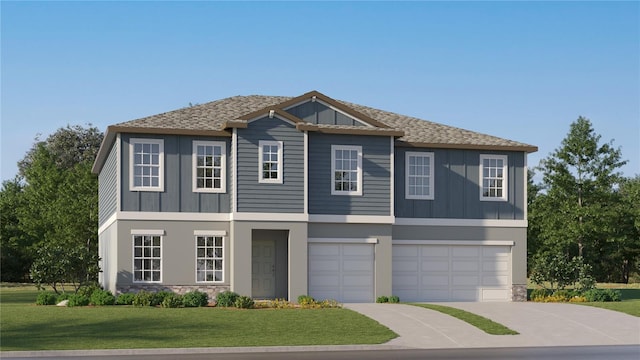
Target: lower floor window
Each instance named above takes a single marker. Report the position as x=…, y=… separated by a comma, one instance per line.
x=147, y=256
x=209, y=259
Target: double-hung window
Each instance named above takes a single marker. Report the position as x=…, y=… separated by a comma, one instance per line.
x=146, y=165
x=419, y=175
x=209, y=258
x=493, y=177
x=346, y=169
x=270, y=162
x=209, y=164
x=147, y=256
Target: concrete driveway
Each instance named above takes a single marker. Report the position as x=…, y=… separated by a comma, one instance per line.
x=539, y=324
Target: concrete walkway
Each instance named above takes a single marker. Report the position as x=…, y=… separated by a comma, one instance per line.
x=539, y=324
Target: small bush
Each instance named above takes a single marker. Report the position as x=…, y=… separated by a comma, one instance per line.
x=394, y=299
x=78, y=300
x=277, y=304
x=172, y=301
x=46, y=298
x=125, y=299
x=195, y=299
x=329, y=304
x=382, y=299
x=226, y=298
x=159, y=297
x=143, y=298
x=306, y=300
x=601, y=295
x=88, y=289
x=63, y=296
x=539, y=293
x=102, y=297
x=244, y=302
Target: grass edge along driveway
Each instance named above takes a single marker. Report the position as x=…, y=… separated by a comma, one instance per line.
x=489, y=326
x=26, y=326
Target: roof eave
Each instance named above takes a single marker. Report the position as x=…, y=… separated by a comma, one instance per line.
x=350, y=131
x=524, y=148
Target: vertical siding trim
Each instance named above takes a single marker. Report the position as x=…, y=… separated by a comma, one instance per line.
x=526, y=190
x=119, y=163
x=234, y=171
x=392, y=187
x=306, y=172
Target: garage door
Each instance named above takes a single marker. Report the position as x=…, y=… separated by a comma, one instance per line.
x=452, y=272
x=343, y=272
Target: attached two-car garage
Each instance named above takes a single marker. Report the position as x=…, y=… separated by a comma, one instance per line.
x=440, y=271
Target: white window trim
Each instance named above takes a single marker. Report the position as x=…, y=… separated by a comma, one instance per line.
x=431, y=195
x=135, y=233
x=160, y=186
x=505, y=180
x=211, y=234
x=333, y=170
x=223, y=167
x=262, y=180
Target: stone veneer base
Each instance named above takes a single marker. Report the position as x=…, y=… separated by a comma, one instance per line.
x=519, y=293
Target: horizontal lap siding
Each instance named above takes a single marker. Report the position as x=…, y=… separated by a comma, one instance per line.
x=178, y=195
x=376, y=188
x=108, y=186
x=457, y=188
x=253, y=196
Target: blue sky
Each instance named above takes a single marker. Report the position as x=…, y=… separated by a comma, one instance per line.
x=518, y=70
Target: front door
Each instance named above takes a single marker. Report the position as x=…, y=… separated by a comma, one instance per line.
x=263, y=269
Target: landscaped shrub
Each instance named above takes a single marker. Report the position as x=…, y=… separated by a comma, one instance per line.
x=603, y=295
x=195, y=299
x=159, y=297
x=328, y=304
x=394, y=299
x=88, y=289
x=539, y=293
x=172, y=301
x=244, y=302
x=62, y=297
x=226, y=298
x=276, y=304
x=306, y=300
x=46, y=298
x=78, y=300
x=382, y=299
x=143, y=298
x=102, y=297
x=125, y=299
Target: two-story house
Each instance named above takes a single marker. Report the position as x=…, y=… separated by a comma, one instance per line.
x=275, y=197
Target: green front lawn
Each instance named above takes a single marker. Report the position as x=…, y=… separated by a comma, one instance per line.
x=26, y=326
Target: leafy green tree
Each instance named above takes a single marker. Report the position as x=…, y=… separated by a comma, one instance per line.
x=577, y=209
x=621, y=255
x=15, y=251
x=58, y=208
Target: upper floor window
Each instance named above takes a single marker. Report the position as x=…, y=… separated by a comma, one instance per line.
x=346, y=167
x=270, y=155
x=493, y=177
x=147, y=257
x=209, y=164
x=146, y=164
x=419, y=175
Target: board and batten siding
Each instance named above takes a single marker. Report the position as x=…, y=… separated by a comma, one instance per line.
x=457, y=187
x=108, y=186
x=178, y=195
x=376, y=184
x=254, y=196
x=317, y=113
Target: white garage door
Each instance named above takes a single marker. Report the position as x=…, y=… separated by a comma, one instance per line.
x=452, y=272
x=343, y=272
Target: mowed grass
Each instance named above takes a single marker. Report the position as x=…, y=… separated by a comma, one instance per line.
x=481, y=322
x=26, y=326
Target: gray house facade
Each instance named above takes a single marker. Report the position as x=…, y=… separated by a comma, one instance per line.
x=276, y=197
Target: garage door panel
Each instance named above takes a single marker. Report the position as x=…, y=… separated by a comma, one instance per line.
x=452, y=272
x=435, y=265
x=465, y=265
x=343, y=272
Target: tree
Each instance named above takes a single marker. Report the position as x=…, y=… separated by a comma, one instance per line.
x=576, y=210
x=15, y=251
x=59, y=201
